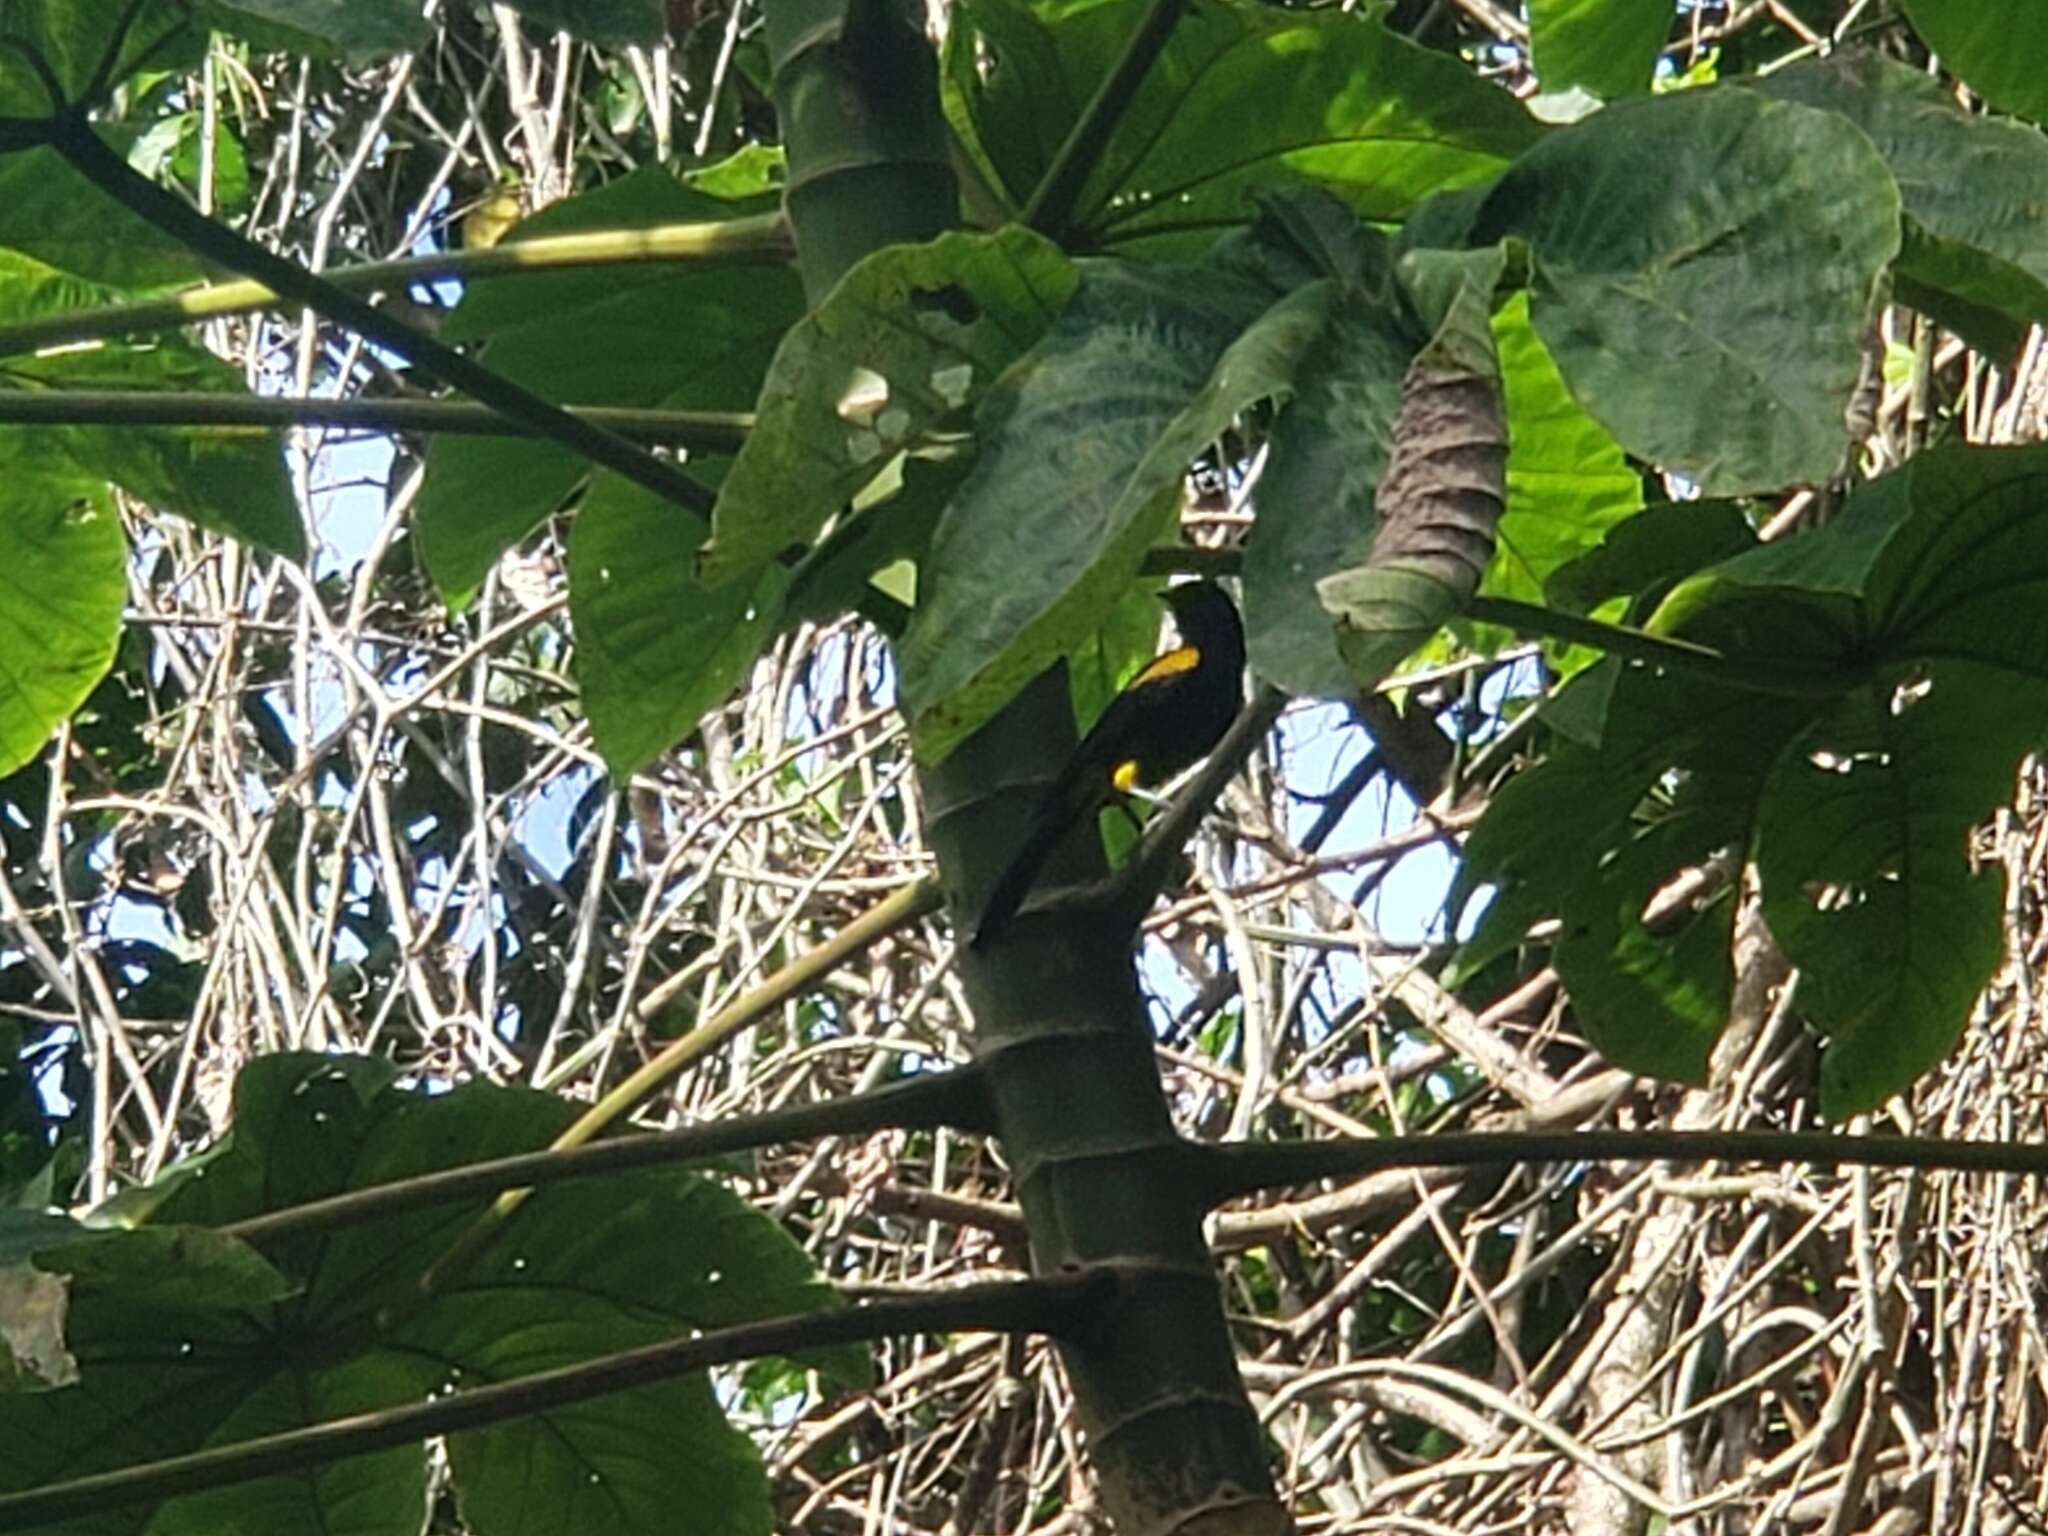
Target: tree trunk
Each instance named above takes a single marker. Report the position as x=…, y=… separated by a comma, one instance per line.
x=1059, y=1022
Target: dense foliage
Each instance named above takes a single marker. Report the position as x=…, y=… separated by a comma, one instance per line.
x=1631, y=420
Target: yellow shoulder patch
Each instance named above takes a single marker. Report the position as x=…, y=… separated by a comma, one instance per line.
x=1124, y=776
x=1182, y=658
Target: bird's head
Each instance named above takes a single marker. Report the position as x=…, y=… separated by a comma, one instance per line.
x=1206, y=617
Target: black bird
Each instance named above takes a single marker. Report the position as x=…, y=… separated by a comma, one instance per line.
x=1171, y=713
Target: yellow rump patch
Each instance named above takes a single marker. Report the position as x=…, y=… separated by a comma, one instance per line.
x=1124, y=776
x=1183, y=658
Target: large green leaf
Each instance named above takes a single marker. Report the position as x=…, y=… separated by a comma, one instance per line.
x=73, y=40
x=1974, y=258
x=154, y=1383
x=610, y=1464
x=141, y=1290
x=379, y=1494
x=298, y=1117
x=1569, y=483
x=1608, y=47
x=1593, y=835
x=655, y=646
x=1014, y=79
x=1900, y=666
x=578, y=1272
x=1327, y=453
x=1965, y=576
x=911, y=335
x=49, y=212
x=1863, y=853
x=230, y=479
x=62, y=584
x=1085, y=447
x=1997, y=46
x=738, y=1265
x=694, y=337
x=46, y=209
x=1644, y=556
x=1707, y=245
x=626, y=1461
x=1328, y=445
x=176, y=1266
x=1340, y=101
x=1593, y=832
x=31, y=289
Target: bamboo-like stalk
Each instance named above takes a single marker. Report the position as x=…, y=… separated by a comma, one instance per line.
x=759, y=238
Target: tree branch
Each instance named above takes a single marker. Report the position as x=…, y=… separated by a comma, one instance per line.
x=952, y=1099
x=1225, y=1172
x=83, y=150
x=760, y=240
x=900, y=909
x=703, y=431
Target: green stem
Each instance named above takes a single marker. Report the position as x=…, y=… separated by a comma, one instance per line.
x=898, y=910
x=761, y=240
x=703, y=431
x=952, y=1098
x=1050, y=1305
x=1052, y=203
x=73, y=138
x=1660, y=650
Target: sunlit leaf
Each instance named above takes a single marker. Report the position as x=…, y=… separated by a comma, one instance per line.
x=656, y=647
x=61, y=588
x=1608, y=47
x=1342, y=102
x=1997, y=46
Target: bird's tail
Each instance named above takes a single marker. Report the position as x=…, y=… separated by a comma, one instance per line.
x=1071, y=797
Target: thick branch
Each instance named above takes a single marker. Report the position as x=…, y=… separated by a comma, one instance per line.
x=1024, y=1306
x=1225, y=1172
